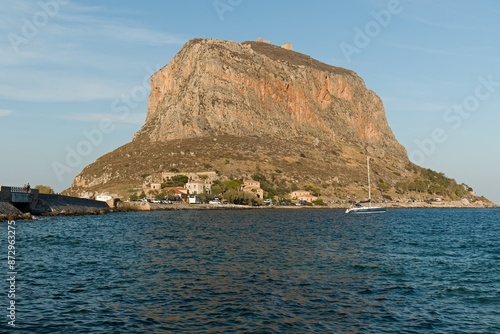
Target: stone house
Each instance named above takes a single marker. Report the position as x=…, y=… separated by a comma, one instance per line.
x=252, y=186
x=208, y=177
x=198, y=187
x=303, y=195
x=156, y=186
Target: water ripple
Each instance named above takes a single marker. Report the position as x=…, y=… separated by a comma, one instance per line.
x=266, y=271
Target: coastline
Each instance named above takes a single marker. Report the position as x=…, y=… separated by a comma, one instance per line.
x=9, y=212
x=141, y=206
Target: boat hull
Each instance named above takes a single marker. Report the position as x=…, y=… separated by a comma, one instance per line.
x=368, y=209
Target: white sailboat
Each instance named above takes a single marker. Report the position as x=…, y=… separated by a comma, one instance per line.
x=358, y=207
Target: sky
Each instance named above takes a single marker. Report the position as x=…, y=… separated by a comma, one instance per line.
x=74, y=74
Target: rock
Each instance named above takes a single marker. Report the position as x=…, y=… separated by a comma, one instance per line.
x=243, y=108
x=214, y=88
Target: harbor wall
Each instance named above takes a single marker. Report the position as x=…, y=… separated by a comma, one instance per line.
x=18, y=203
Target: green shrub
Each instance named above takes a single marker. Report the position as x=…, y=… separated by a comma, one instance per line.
x=44, y=189
x=319, y=202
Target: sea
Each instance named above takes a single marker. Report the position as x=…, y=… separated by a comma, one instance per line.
x=254, y=271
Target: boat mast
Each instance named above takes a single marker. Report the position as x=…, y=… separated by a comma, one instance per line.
x=369, y=187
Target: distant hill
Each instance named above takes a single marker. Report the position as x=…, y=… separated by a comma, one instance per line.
x=253, y=110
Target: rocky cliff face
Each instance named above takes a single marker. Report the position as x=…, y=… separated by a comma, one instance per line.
x=214, y=88
x=254, y=110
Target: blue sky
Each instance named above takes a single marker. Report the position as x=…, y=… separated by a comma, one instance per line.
x=67, y=66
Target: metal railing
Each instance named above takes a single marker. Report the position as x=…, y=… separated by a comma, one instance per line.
x=19, y=190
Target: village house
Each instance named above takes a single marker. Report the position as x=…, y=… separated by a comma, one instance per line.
x=208, y=177
x=198, y=187
x=303, y=195
x=156, y=186
x=178, y=193
x=253, y=187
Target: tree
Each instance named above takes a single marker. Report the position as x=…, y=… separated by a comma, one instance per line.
x=161, y=195
x=44, y=189
x=259, y=177
x=171, y=195
x=232, y=184
x=216, y=190
x=418, y=185
x=240, y=197
x=384, y=186
x=437, y=189
x=314, y=190
x=319, y=202
x=401, y=187
x=176, y=181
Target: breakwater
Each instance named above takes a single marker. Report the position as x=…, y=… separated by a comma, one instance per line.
x=17, y=202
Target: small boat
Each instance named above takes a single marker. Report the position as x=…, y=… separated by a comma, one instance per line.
x=358, y=208
x=369, y=208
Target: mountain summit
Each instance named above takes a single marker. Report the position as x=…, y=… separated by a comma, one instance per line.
x=254, y=110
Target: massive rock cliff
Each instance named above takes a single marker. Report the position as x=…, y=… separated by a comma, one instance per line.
x=255, y=110
x=214, y=88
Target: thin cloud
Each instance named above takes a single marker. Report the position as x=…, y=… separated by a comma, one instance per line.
x=443, y=52
x=117, y=32
x=72, y=20
x=73, y=57
x=442, y=25
x=428, y=107
x=131, y=118
x=92, y=22
x=5, y=112
x=58, y=86
x=465, y=51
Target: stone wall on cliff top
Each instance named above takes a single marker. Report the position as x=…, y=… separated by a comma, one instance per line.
x=214, y=87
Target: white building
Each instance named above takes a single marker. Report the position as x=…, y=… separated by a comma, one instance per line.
x=198, y=188
x=104, y=198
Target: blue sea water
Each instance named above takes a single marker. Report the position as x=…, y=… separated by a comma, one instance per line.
x=257, y=271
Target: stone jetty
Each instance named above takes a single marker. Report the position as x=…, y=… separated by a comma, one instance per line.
x=19, y=202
